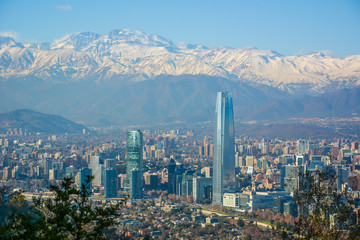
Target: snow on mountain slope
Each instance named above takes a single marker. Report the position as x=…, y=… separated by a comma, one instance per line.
x=134, y=54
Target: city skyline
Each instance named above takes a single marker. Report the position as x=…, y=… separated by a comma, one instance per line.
x=265, y=176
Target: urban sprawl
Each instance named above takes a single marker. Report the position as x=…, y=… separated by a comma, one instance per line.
x=180, y=183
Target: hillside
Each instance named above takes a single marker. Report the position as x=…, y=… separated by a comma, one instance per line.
x=31, y=121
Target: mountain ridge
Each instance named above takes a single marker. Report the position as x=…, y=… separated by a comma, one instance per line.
x=169, y=99
x=132, y=54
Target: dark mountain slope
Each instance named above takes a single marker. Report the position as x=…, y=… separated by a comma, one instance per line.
x=37, y=122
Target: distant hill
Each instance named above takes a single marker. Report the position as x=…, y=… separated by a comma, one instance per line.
x=169, y=99
x=341, y=103
x=37, y=122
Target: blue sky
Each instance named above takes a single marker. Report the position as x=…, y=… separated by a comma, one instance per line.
x=290, y=27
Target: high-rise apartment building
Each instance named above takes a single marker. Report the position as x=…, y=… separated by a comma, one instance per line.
x=134, y=158
x=224, y=156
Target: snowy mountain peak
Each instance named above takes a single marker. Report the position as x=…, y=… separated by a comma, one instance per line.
x=9, y=42
x=133, y=54
x=76, y=41
x=253, y=51
x=139, y=37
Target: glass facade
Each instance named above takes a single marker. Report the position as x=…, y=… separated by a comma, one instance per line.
x=136, y=189
x=97, y=170
x=224, y=156
x=110, y=183
x=134, y=155
x=172, y=177
x=84, y=174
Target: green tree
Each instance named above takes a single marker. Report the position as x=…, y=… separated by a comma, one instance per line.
x=11, y=204
x=18, y=220
x=324, y=212
x=240, y=223
x=68, y=215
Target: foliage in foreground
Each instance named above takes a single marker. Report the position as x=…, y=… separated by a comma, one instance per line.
x=324, y=212
x=68, y=215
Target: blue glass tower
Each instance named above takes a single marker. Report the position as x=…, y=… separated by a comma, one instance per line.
x=136, y=188
x=224, y=156
x=110, y=183
x=84, y=175
x=134, y=158
x=172, y=177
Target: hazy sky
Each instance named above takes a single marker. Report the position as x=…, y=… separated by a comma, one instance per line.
x=289, y=27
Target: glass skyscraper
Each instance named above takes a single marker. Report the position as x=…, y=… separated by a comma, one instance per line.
x=134, y=156
x=172, y=177
x=84, y=175
x=97, y=169
x=110, y=186
x=224, y=156
x=136, y=188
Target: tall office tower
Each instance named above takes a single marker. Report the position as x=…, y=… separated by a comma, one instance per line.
x=299, y=160
x=136, y=185
x=53, y=174
x=48, y=165
x=7, y=173
x=97, y=170
x=263, y=163
x=109, y=163
x=70, y=171
x=301, y=147
x=84, y=174
x=110, y=185
x=290, y=177
x=134, y=156
x=200, y=188
x=151, y=181
x=187, y=183
x=208, y=171
x=250, y=160
x=224, y=156
x=39, y=172
x=342, y=175
x=172, y=177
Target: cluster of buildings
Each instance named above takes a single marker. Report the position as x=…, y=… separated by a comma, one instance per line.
x=241, y=173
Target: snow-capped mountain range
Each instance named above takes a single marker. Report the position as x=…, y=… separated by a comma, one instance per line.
x=138, y=56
